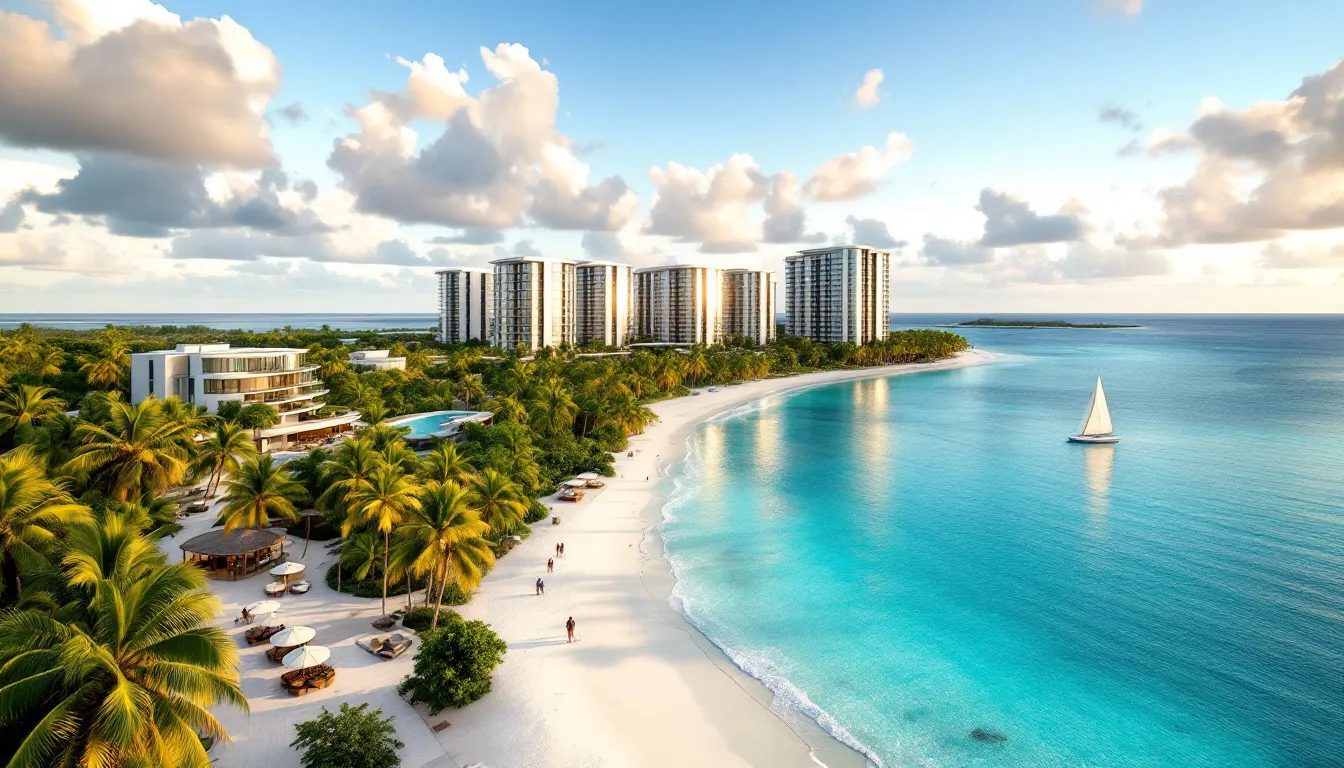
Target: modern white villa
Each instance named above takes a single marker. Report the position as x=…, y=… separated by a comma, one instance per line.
x=209, y=374
x=379, y=359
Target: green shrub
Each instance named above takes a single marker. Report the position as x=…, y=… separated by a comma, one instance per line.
x=535, y=511
x=352, y=737
x=454, y=664
x=420, y=618
x=373, y=585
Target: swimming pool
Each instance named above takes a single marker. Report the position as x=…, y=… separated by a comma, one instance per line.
x=435, y=424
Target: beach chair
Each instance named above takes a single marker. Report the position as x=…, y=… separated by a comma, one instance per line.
x=394, y=646
x=300, y=587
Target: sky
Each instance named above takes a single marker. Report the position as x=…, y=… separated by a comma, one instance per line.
x=1049, y=156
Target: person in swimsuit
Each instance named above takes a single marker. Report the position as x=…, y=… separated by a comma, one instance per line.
x=569, y=628
x=541, y=587
x=550, y=565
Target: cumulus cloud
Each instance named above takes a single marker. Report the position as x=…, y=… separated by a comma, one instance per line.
x=1275, y=167
x=1121, y=117
x=147, y=198
x=1009, y=222
x=867, y=96
x=942, y=252
x=294, y=114
x=785, y=217
x=244, y=245
x=499, y=163
x=855, y=174
x=11, y=216
x=713, y=208
x=470, y=237
x=1130, y=8
x=127, y=76
x=873, y=232
x=1277, y=256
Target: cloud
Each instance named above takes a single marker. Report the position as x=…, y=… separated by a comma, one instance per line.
x=242, y=245
x=713, y=208
x=873, y=232
x=1276, y=256
x=867, y=96
x=1129, y=8
x=147, y=198
x=11, y=216
x=1084, y=262
x=470, y=237
x=293, y=114
x=1275, y=167
x=943, y=252
x=127, y=76
x=785, y=218
x=525, y=248
x=1009, y=222
x=499, y=163
x=855, y=174
x=1121, y=117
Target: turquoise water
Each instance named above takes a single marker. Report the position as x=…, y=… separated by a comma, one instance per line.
x=429, y=424
x=913, y=558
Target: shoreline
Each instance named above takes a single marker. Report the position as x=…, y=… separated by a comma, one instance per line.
x=643, y=686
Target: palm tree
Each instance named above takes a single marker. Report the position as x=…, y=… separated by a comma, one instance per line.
x=373, y=412
x=33, y=512
x=56, y=441
x=137, y=452
x=507, y=408
x=360, y=554
x=553, y=409
x=131, y=682
x=696, y=365
x=669, y=373
x=384, y=500
x=470, y=389
x=447, y=464
x=104, y=369
x=28, y=406
x=445, y=539
x=223, y=452
x=342, y=475
x=499, y=500
x=259, y=492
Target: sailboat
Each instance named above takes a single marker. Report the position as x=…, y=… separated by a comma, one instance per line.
x=1096, y=426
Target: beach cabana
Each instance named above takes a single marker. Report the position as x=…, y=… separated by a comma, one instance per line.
x=285, y=570
x=309, y=669
x=585, y=476
x=234, y=555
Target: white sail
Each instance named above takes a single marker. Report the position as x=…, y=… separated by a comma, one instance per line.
x=1098, y=418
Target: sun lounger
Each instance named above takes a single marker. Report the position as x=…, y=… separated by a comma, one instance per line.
x=372, y=643
x=596, y=484
x=385, y=622
x=300, y=681
x=394, y=646
x=277, y=653
x=275, y=588
x=299, y=587
x=257, y=635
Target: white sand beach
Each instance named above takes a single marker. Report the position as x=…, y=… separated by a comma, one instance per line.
x=641, y=687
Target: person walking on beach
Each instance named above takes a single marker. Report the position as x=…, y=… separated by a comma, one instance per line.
x=550, y=565
x=569, y=628
x=557, y=549
x=562, y=549
x=541, y=586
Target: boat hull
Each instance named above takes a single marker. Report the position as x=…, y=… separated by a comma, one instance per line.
x=1094, y=438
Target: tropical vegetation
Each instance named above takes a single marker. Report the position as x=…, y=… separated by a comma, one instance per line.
x=454, y=664
x=351, y=738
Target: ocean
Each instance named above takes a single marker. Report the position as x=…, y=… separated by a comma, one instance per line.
x=926, y=567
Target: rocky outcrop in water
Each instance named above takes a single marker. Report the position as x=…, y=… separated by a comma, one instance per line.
x=988, y=737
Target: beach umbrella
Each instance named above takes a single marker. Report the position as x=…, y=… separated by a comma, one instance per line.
x=266, y=621
x=287, y=569
x=264, y=606
x=288, y=638
x=576, y=483
x=307, y=656
x=587, y=476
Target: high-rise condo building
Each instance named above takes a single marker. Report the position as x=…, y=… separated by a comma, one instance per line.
x=210, y=374
x=749, y=304
x=534, y=302
x=679, y=304
x=466, y=304
x=838, y=294
x=604, y=302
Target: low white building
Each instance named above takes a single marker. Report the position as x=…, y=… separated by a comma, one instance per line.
x=210, y=374
x=377, y=358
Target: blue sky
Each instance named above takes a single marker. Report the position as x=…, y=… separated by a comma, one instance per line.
x=995, y=99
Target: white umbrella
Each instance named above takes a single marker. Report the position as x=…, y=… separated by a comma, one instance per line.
x=288, y=638
x=264, y=606
x=267, y=620
x=287, y=569
x=587, y=476
x=307, y=656
x=576, y=483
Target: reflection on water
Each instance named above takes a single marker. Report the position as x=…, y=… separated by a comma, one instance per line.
x=1098, y=464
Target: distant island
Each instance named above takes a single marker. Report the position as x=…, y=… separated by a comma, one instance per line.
x=989, y=322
